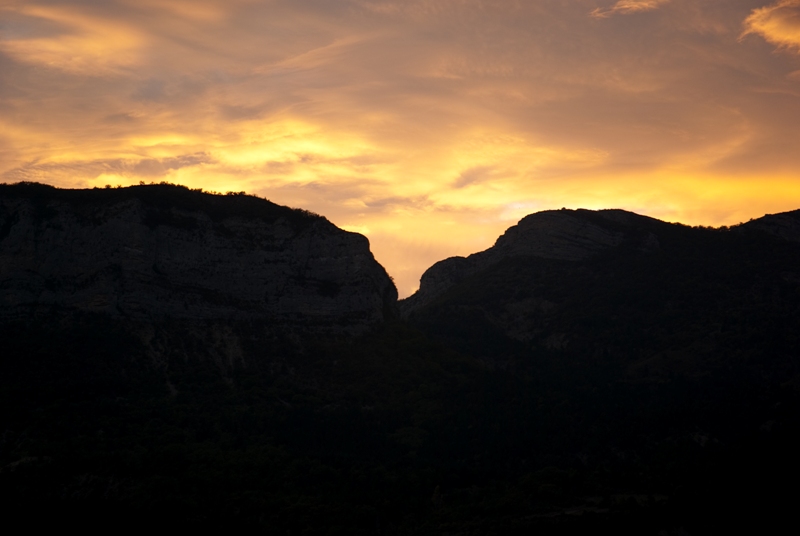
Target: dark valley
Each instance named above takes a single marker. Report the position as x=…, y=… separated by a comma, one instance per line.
x=194, y=360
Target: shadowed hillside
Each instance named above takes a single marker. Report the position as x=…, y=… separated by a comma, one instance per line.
x=164, y=251
x=593, y=371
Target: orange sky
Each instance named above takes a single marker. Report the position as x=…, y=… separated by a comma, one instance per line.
x=428, y=125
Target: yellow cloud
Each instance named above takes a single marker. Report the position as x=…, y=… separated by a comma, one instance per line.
x=626, y=7
x=86, y=44
x=778, y=23
x=431, y=125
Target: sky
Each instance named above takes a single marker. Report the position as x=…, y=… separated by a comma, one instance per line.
x=430, y=126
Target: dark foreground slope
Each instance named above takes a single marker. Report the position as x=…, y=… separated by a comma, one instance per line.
x=666, y=355
x=599, y=372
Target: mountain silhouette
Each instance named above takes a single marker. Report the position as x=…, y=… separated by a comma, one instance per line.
x=163, y=251
x=200, y=360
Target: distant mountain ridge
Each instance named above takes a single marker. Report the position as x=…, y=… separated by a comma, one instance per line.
x=164, y=251
x=571, y=235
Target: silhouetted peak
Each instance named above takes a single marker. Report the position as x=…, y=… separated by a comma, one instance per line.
x=569, y=235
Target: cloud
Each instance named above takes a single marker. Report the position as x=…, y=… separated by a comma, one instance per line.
x=474, y=175
x=778, y=23
x=627, y=7
x=72, y=40
x=201, y=10
x=432, y=124
x=152, y=89
x=150, y=168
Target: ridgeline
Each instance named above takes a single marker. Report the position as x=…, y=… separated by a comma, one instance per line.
x=202, y=360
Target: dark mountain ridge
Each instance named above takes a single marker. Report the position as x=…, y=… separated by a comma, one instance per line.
x=163, y=251
x=553, y=234
x=593, y=370
x=652, y=339
x=610, y=263
x=575, y=235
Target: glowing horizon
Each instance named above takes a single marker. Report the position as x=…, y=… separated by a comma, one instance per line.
x=430, y=126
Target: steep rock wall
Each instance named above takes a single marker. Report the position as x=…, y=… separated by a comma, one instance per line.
x=129, y=253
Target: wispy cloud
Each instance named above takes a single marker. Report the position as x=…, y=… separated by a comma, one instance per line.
x=778, y=23
x=84, y=171
x=627, y=7
x=474, y=175
x=72, y=40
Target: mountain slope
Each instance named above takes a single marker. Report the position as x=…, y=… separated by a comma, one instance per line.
x=554, y=234
x=592, y=372
x=162, y=251
x=584, y=279
x=639, y=346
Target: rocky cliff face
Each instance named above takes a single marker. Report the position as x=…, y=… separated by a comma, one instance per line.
x=570, y=235
x=162, y=251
